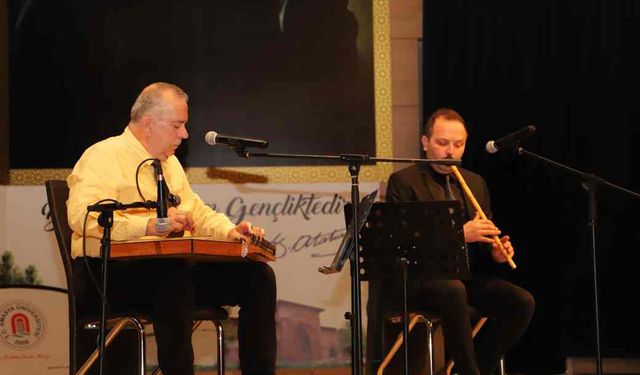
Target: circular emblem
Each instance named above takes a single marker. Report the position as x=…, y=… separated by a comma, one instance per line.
x=22, y=325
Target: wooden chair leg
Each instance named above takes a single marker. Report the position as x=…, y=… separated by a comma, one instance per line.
x=396, y=346
x=432, y=367
x=501, y=367
x=220, y=337
x=113, y=332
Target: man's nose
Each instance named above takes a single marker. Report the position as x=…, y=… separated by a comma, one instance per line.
x=449, y=151
x=184, y=134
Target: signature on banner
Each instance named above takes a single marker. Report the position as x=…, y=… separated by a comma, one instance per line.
x=308, y=241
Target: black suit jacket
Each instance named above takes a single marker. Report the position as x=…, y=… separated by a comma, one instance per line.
x=417, y=183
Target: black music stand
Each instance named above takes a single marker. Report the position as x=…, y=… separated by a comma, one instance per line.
x=426, y=239
x=346, y=246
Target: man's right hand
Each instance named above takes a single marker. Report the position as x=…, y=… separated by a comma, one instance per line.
x=479, y=230
x=178, y=221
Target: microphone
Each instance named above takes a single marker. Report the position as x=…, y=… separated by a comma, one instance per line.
x=214, y=138
x=511, y=140
x=162, y=223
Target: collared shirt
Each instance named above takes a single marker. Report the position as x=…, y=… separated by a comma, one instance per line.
x=108, y=170
x=456, y=189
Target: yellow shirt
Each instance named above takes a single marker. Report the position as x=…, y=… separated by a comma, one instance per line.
x=108, y=170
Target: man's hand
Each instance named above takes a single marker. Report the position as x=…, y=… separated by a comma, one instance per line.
x=182, y=218
x=178, y=221
x=479, y=230
x=244, y=230
x=497, y=255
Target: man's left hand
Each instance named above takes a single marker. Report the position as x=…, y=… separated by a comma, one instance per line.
x=497, y=255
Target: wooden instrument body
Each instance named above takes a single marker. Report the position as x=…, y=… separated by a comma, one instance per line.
x=200, y=248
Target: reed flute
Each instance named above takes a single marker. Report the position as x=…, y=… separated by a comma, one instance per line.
x=476, y=205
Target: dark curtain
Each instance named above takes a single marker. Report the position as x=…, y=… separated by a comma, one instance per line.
x=571, y=69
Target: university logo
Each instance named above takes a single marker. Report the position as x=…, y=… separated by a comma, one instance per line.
x=22, y=325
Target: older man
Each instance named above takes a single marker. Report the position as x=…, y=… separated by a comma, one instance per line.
x=120, y=168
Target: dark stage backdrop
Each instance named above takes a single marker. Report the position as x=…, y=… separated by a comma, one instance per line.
x=571, y=69
x=298, y=73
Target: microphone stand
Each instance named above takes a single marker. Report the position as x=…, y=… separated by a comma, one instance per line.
x=354, y=161
x=590, y=183
x=105, y=220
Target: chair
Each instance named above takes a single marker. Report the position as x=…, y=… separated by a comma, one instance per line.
x=57, y=196
x=430, y=320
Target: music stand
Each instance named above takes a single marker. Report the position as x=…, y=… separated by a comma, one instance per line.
x=425, y=238
x=346, y=246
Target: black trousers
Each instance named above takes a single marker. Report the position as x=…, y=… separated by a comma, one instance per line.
x=508, y=306
x=169, y=289
x=252, y=286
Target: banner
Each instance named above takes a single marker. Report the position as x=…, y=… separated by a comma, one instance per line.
x=305, y=221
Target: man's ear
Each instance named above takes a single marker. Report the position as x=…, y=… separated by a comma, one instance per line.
x=425, y=142
x=146, y=122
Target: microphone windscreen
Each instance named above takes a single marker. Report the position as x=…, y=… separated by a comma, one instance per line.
x=491, y=147
x=210, y=137
x=162, y=224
